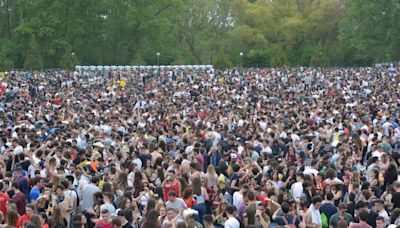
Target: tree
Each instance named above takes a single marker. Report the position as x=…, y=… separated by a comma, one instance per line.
x=33, y=57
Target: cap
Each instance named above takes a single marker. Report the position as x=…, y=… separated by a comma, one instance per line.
x=189, y=212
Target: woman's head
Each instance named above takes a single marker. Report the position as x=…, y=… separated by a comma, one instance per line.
x=12, y=218
x=36, y=220
x=126, y=203
x=211, y=170
x=187, y=193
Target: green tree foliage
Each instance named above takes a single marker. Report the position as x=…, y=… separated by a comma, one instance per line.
x=44, y=33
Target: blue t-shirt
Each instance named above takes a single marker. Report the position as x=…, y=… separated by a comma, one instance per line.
x=34, y=194
x=328, y=209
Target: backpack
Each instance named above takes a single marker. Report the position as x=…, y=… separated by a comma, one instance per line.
x=324, y=220
x=293, y=224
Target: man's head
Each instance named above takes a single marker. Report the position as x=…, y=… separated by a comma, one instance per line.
x=208, y=221
x=105, y=214
x=285, y=207
x=299, y=176
x=307, y=186
x=107, y=197
x=116, y=223
x=363, y=215
x=396, y=185
x=380, y=222
x=170, y=214
x=30, y=209
x=379, y=205
x=342, y=208
x=171, y=195
x=230, y=210
x=251, y=196
x=60, y=190
x=329, y=196
x=15, y=186
x=316, y=201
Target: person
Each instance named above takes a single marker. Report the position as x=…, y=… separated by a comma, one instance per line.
x=208, y=221
x=12, y=219
x=250, y=210
x=171, y=184
x=116, y=223
x=105, y=221
x=174, y=202
x=200, y=195
x=379, y=207
x=328, y=207
x=189, y=214
x=363, y=216
x=25, y=217
x=238, y=195
x=88, y=192
x=232, y=222
x=107, y=198
x=64, y=202
x=341, y=215
x=313, y=215
x=380, y=222
x=35, y=191
x=396, y=195
x=287, y=217
x=151, y=220
x=19, y=198
x=3, y=200
x=57, y=220
x=35, y=219
x=297, y=188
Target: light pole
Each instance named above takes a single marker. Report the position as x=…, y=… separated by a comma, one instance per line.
x=241, y=59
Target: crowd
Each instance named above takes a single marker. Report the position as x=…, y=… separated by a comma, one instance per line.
x=284, y=147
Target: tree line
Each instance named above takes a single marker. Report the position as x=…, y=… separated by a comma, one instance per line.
x=56, y=33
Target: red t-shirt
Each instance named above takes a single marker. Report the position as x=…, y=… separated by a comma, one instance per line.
x=168, y=187
x=102, y=224
x=3, y=201
x=22, y=220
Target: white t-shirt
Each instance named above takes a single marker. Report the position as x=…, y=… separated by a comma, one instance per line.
x=297, y=189
x=232, y=223
x=237, y=198
x=18, y=150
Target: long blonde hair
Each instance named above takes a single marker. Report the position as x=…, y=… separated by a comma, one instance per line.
x=211, y=170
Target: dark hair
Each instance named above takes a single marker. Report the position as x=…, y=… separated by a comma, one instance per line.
x=128, y=214
x=316, y=199
x=330, y=196
x=380, y=218
x=117, y=222
x=352, y=196
x=230, y=209
x=285, y=207
x=251, y=196
x=151, y=219
x=208, y=219
x=306, y=184
x=12, y=218
x=395, y=214
x=363, y=215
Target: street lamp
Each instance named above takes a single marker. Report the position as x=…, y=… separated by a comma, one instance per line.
x=241, y=59
x=158, y=58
